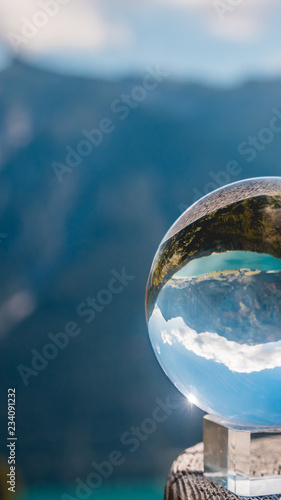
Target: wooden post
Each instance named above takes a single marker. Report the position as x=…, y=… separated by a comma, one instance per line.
x=186, y=480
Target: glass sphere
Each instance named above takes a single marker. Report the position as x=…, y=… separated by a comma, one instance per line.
x=213, y=303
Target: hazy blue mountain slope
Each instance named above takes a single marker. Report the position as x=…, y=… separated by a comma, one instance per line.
x=64, y=239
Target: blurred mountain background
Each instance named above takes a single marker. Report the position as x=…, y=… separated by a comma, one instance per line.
x=63, y=239
x=212, y=116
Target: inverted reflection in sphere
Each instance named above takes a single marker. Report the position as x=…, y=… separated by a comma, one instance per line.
x=214, y=302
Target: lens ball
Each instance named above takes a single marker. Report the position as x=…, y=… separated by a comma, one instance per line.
x=213, y=303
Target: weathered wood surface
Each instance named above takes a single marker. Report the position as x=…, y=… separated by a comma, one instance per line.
x=186, y=480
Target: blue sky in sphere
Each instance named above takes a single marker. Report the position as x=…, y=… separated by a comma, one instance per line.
x=194, y=40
